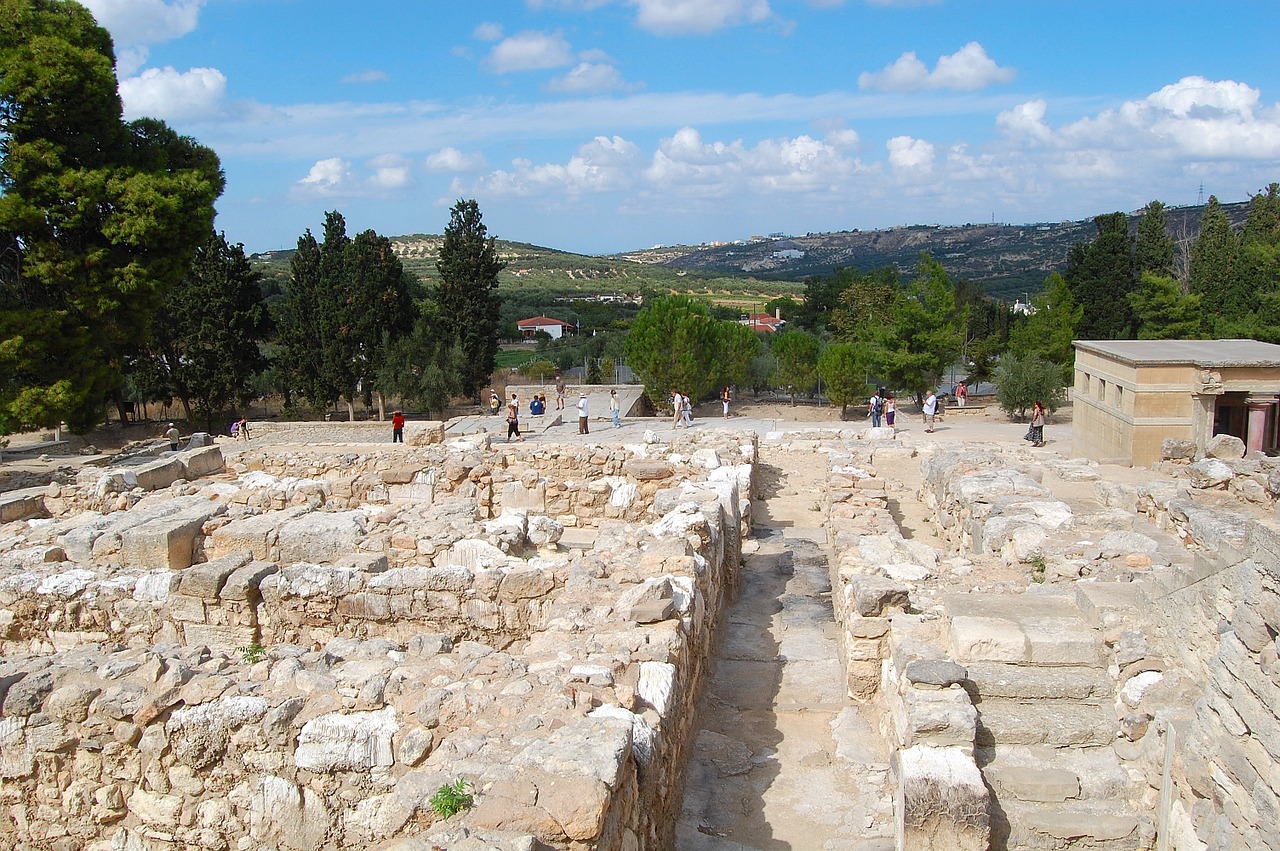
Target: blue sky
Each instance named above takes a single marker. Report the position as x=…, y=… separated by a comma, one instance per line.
x=600, y=126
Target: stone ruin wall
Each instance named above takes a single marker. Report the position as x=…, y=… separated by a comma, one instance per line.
x=1190, y=645
x=234, y=660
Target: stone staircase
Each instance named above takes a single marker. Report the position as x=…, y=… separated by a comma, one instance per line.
x=1046, y=721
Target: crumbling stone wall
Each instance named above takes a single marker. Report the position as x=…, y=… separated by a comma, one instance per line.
x=243, y=696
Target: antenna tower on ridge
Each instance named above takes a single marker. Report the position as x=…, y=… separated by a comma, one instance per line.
x=1200, y=197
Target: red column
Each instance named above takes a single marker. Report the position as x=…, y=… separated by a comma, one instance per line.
x=1258, y=409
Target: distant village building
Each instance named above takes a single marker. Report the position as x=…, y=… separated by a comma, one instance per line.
x=1130, y=395
x=556, y=328
x=763, y=322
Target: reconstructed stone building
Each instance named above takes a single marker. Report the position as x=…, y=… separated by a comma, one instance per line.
x=1130, y=395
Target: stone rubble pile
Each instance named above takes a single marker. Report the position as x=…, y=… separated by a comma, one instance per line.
x=299, y=651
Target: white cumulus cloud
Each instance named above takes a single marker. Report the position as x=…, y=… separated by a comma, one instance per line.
x=451, y=159
x=681, y=17
x=908, y=154
x=327, y=174
x=389, y=171
x=171, y=95
x=604, y=164
x=530, y=51
x=134, y=22
x=968, y=70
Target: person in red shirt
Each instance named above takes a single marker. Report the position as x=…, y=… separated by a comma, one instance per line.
x=397, y=427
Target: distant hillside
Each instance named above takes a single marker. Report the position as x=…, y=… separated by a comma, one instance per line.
x=1008, y=260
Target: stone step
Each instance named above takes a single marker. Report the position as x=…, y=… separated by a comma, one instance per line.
x=1034, y=774
x=1032, y=628
x=1114, y=826
x=1054, y=723
x=995, y=680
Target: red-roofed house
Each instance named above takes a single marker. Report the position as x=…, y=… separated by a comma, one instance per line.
x=555, y=327
x=763, y=322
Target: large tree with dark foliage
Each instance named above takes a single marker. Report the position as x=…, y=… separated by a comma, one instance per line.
x=347, y=299
x=99, y=217
x=468, y=295
x=1213, y=258
x=1154, y=250
x=1101, y=276
x=206, y=351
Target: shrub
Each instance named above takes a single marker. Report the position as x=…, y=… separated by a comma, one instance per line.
x=452, y=798
x=1022, y=379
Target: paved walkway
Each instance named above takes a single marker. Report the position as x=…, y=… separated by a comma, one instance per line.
x=784, y=760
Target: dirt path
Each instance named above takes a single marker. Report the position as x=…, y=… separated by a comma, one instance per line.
x=784, y=760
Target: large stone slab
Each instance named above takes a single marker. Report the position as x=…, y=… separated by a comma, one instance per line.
x=257, y=534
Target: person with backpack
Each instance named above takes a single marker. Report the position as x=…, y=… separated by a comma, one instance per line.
x=875, y=407
x=686, y=410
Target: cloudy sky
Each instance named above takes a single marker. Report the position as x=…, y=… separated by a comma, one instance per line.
x=599, y=126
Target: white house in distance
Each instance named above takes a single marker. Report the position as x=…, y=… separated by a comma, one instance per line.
x=763, y=322
x=556, y=328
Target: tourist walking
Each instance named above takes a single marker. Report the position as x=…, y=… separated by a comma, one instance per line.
x=962, y=394
x=583, y=414
x=929, y=409
x=173, y=435
x=397, y=427
x=890, y=410
x=687, y=410
x=513, y=420
x=724, y=400
x=875, y=408
x=615, y=409
x=1035, y=434
x=677, y=407
x=559, y=392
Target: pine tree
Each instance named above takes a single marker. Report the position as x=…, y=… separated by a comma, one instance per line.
x=925, y=333
x=1164, y=311
x=468, y=295
x=1048, y=332
x=106, y=216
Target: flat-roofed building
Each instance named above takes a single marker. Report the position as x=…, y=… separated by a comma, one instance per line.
x=1130, y=395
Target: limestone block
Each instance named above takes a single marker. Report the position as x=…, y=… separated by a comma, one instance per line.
x=942, y=802
x=525, y=584
x=474, y=555
x=255, y=534
x=657, y=685
x=1173, y=449
x=153, y=808
x=320, y=536
x=987, y=639
x=243, y=584
x=283, y=814
x=70, y=703
x=939, y=673
x=652, y=601
x=875, y=596
x=1224, y=446
x=352, y=742
x=22, y=505
x=159, y=473
x=163, y=542
x=1029, y=783
x=226, y=638
x=201, y=461
x=206, y=580
x=1209, y=473
x=938, y=717
x=1060, y=641
x=543, y=531
x=26, y=696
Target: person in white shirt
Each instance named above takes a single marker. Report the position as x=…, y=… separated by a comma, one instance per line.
x=930, y=408
x=615, y=409
x=582, y=414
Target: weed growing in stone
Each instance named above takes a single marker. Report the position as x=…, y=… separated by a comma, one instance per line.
x=452, y=798
x=1037, y=567
x=252, y=653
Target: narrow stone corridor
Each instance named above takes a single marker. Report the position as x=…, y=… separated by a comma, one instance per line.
x=783, y=759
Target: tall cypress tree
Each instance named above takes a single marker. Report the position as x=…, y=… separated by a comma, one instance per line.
x=1100, y=276
x=1154, y=251
x=468, y=295
x=1213, y=259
